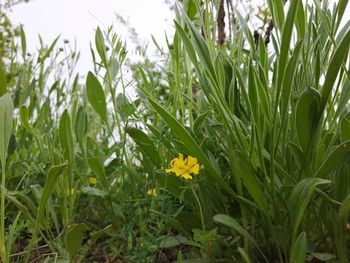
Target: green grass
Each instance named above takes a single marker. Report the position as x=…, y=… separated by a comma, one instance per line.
x=269, y=125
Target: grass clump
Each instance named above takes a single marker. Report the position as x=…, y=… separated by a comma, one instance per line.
x=236, y=151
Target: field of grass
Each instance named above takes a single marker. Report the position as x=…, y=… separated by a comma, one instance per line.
x=233, y=151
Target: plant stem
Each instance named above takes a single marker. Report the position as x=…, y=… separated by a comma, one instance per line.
x=3, y=254
x=199, y=206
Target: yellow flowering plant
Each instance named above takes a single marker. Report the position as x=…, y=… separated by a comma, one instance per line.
x=92, y=181
x=152, y=192
x=184, y=168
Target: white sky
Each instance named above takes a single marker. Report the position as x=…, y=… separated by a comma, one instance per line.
x=77, y=20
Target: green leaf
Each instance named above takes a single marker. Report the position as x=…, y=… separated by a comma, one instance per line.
x=100, y=46
x=145, y=143
x=279, y=13
x=173, y=241
x=6, y=122
x=24, y=117
x=306, y=117
x=300, y=21
x=333, y=159
x=50, y=184
x=334, y=68
x=66, y=137
x=81, y=122
x=288, y=79
x=93, y=191
x=297, y=254
x=323, y=256
x=96, y=96
x=47, y=53
x=341, y=7
x=345, y=128
x=23, y=42
x=191, y=9
x=3, y=82
x=299, y=200
x=74, y=239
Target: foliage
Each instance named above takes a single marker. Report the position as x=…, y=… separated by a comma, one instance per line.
x=229, y=153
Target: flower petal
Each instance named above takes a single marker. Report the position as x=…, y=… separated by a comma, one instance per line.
x=187, y=176
x=194, y=169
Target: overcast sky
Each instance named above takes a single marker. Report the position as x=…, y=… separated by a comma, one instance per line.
x=77, y=20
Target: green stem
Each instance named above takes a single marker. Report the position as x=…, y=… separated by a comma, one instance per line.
x=199, y=206
x=3, y=254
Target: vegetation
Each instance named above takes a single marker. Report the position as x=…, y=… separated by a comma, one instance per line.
x=233, y=150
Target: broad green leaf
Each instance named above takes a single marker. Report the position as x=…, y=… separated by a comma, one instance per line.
x=100, y=46
x=66, y=137
x=81, y=123
x=93, y=191
x=297, y=254
x=299, y=200
x=6, y=122
x=173, y=241
x=49, y=187
x=345, y=128
x=323, y=256
x=145, y=143
x=332, y=161
x=74, y=239
x=306, y=117
x=96, y=96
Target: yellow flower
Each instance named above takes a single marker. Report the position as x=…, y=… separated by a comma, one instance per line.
x=152, y=192
x=184, y=167
x=92, y=181
x=71, y=192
